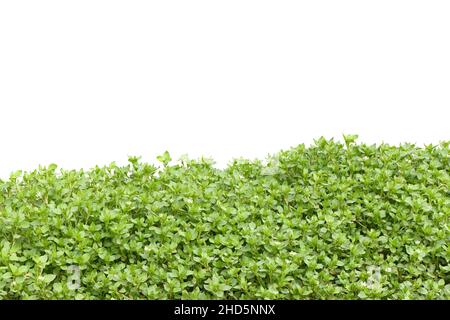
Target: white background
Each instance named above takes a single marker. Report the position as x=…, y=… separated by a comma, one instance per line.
x=88, y=82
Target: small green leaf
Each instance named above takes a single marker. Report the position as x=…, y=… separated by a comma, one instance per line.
x=164, y=158
x=48, y=278
x=350, y=139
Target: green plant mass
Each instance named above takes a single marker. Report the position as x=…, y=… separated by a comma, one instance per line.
x=328, y=221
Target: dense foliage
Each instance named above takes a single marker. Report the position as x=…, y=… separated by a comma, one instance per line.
x=327, y=221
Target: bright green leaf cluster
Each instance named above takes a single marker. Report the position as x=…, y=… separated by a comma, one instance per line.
x=328, y=221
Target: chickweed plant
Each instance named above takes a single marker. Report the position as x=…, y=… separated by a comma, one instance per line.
x=333, y=220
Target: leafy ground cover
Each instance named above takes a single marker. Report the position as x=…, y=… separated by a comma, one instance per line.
x=328, y=221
